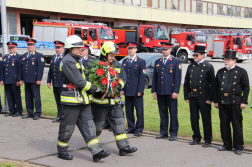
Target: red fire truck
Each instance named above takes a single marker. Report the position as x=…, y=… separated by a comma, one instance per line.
x=91, y=33
x=148, y=37
x=184, y=42
x=235, y=39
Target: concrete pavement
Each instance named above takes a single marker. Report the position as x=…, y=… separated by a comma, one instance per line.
x=35, y=142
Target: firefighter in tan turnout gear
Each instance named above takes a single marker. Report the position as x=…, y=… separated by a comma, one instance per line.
x=76, y=103
x=111, y=107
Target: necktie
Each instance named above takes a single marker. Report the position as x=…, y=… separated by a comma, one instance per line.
x=9, y=56
x=56, y=58
x=165, y=60
x=129, y=62
x=28, y=55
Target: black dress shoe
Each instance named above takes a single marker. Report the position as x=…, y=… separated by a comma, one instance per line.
x=194, y=142
x=106, y=127
x=161, y=136
x=127, y=150
x=222, y=148
x=206, y=144
x=9, y=114
x=138, y=134
x=130, y=132
x=238, y=152
x=36, y=117
x=65, y=156
x=56, y=120
x=100, y=155
x=173, y=138
x=16, y=115
x=27, y=116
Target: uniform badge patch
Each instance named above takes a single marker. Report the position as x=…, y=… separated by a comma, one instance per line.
x=61, y=56
x=136, y=65
x=144, y=71
x=4, y=59
x=157, y=65
x=180, y=66
x=42, y=59
x=171, y=64
x=124, y=64
x=33, y=63
x=170, y=71
x=24, y=58
x=170, y=58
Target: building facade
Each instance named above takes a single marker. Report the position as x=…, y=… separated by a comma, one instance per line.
x=172, y=13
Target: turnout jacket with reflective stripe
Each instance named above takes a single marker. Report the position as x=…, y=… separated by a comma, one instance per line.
x=111, y=101
x=75, y=86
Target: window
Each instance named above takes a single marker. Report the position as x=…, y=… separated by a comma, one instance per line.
x=199, y=7
x=238, y=11
x=229, y=11
x=119, y=1
x=194, y=6
x=210, y=8
x=246, y=12
x=182, y=5
x=92, y=33
x=175, y=4
x=162, y=4
x=242, y=12
x=188, y=5
x=127, y=1
x=84, y=34
x=144, y=3
x=220, y=9
x=250, y=13
x=136, y=2
x=204, y=7
x=77, y=31
x=148, y=32
x=154, y=3
x=224, y=10
x=233, y=10
x=215, y=9
x=169, y=4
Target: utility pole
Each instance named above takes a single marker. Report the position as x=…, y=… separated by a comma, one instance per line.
x=4, y=40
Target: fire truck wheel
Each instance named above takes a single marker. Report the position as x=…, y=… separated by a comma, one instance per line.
x=239, y=61
x=183, y=57
x=146, y=85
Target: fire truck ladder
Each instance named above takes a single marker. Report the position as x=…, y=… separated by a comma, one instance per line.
x=212, y=32
x=74, y=22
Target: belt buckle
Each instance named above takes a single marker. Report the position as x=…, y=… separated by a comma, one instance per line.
x=226, y=94
x=194, y=90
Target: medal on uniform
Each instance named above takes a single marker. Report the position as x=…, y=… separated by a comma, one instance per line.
x=157, y=65
x=170, y=58
x=124, y=64
x=170, y=71
x=12, y=63
x=32, y=62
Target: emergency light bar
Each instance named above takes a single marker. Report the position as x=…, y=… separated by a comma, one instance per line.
x=216, y=31
x=74, y=22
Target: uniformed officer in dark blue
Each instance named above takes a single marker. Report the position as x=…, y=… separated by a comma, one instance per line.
x=1, y=71
x=135, y=68
x=165, y=88
x=85, y=58
x=33, y=68
x=54, y=76
x=11, y=76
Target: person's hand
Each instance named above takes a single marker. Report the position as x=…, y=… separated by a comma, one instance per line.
x=154, y=95
x=243, y=106
x=38, y=82
x=21, y=82
x=174, y=95
x=49, y=85
x=208, y=102
x=17, y=83
x=139, y=94
x=122, y=92
x=1, y=83
x=187, y=101
x=216, y=105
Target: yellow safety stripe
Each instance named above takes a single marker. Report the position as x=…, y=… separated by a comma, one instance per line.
x=100, y=101
x=122, y=83
x=118, y=70
x=78, y=66
x=85, y=96
x=90, y=97
x=62, y=144
x=120, y=137
x=112, y=101
x=88, y=86
x=70, y=99
x=60, y=68
x=92, y=142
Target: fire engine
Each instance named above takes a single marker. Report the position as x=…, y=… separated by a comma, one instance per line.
x=234, y=39
x=93, y=34
x=184, y=42
x=148, y=37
